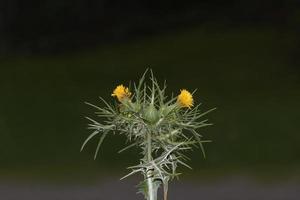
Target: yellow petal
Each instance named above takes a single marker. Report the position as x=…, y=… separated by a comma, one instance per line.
x=185, y=99
x=121, y=92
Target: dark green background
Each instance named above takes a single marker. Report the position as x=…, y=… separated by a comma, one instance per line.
x=248, y=73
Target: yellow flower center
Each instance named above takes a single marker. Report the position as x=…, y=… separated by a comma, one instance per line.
x=121, y=92
x=185, y=99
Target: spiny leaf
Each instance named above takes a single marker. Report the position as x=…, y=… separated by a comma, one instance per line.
x=127, y=147
x=100, y=142
x=88, y=138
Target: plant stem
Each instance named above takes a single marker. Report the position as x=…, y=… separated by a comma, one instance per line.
x=151, y=191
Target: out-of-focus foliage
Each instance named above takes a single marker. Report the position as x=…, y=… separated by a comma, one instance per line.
x=251, y=75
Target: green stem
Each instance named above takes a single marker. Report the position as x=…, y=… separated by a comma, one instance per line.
x=151, y=190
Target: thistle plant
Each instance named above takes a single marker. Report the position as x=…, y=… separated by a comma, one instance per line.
x=163, y=128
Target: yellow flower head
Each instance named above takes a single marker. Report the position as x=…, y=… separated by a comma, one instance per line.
x=185, y=99
x=121, y=92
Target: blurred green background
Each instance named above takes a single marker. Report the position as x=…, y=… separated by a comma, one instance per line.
x=245, y=73
x=247, y=67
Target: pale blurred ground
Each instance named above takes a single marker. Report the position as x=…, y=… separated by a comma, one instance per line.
x=229, y=188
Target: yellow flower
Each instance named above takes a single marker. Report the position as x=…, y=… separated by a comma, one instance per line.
x=185, y=99
x=121, y=92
